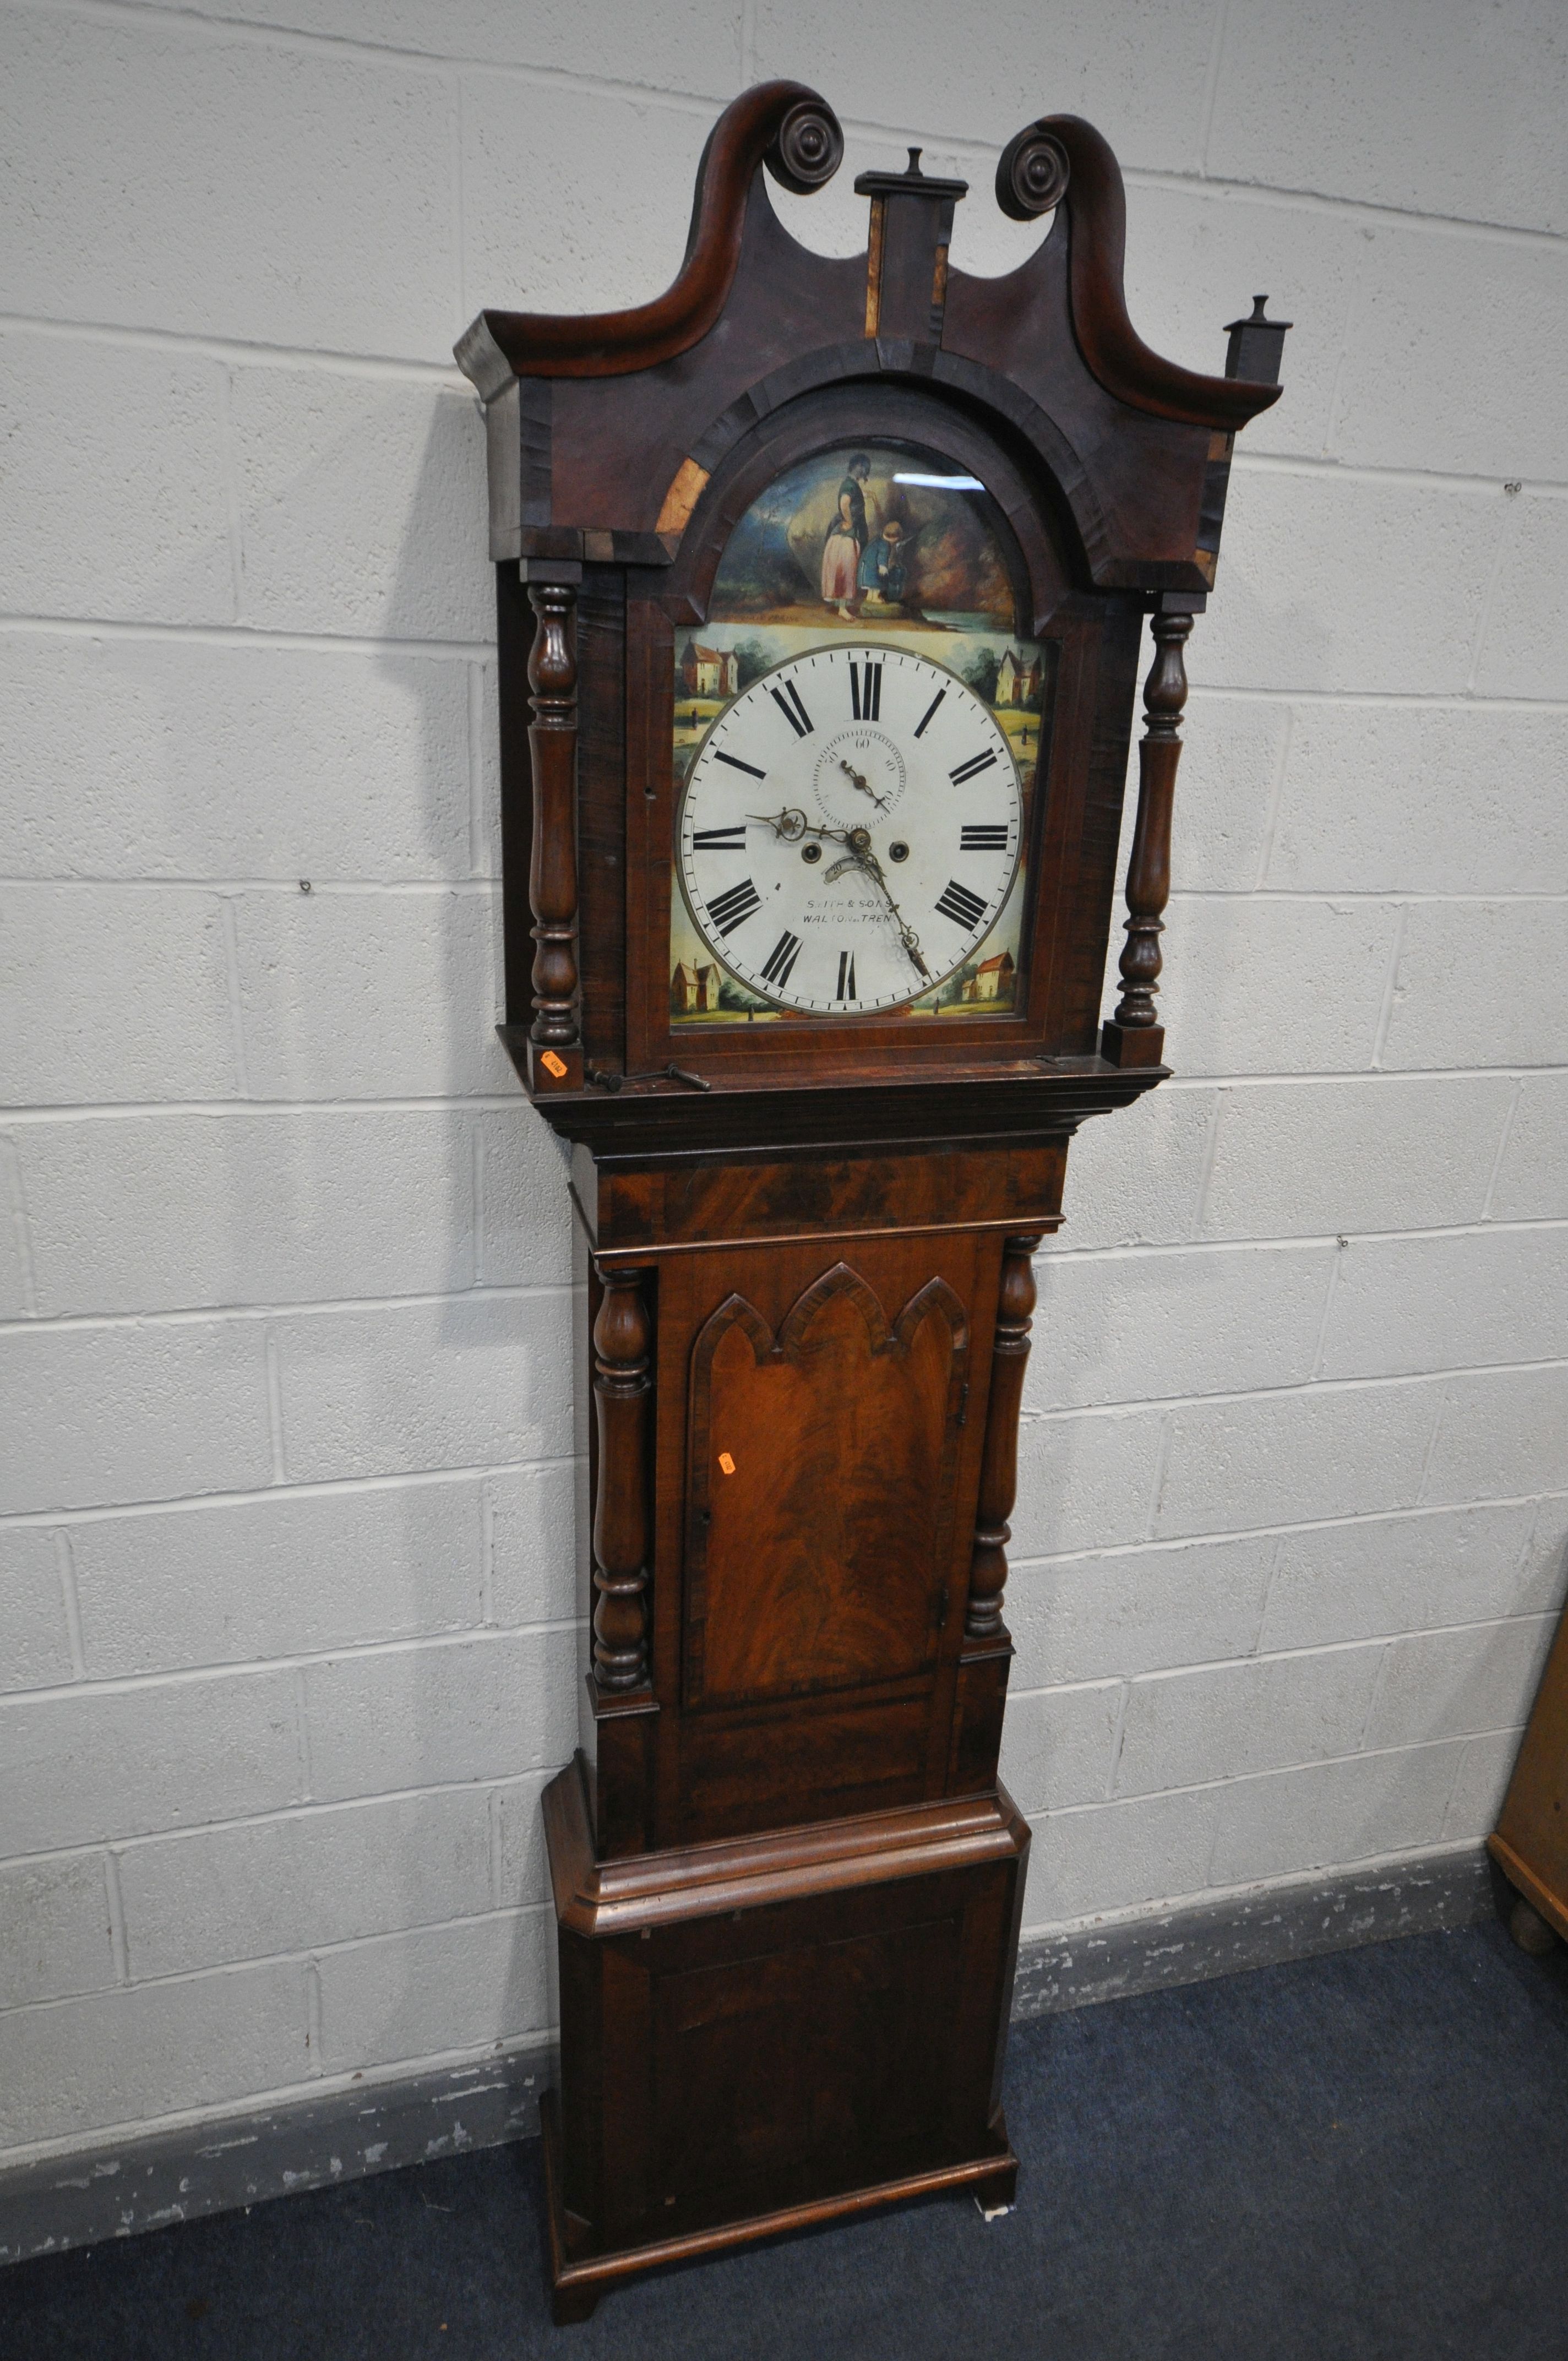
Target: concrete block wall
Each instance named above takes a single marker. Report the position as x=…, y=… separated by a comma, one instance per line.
x=286, y=1504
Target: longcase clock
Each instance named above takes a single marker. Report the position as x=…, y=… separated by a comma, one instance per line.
x=820, y=585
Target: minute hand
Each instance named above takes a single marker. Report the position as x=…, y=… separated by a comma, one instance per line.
x=907, y=934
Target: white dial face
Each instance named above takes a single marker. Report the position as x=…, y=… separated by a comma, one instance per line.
x=850, y=830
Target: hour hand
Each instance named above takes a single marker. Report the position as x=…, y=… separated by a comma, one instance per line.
x=790, y=824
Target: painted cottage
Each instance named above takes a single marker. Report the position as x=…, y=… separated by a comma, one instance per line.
x=694, y=991
x=993, y=979
x=1017, y=678
x=709, y=672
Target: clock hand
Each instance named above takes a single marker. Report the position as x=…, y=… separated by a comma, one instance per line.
x=868, y=861
x=880, y=801
x=792, y=824
x=788, y=823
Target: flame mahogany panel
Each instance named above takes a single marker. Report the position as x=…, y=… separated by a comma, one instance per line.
x=820, y=1494
x=808, y=1614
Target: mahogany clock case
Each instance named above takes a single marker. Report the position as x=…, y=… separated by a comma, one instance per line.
x=787, y=1882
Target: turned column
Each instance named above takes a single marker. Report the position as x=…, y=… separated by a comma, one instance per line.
x=622, y=1338
x=999, y=1470
x=1134, y=1037
x=554, y=1054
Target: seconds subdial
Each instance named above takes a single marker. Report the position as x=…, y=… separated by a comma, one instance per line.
x=858, y=771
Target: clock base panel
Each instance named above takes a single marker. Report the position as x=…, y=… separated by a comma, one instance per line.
x=771, y=2031
x=577, y=2286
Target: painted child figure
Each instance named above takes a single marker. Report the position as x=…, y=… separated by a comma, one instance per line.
x=883, y=575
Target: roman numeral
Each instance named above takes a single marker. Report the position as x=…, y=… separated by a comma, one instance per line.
x=846, y=977
x=781, y=959
x=787, y=700
x=979, y=840
x=976, y=763
x=720, y=840
x=960, y=904
x=734, y=905
x=930, y=710
x=737, y=765
x=866, y=704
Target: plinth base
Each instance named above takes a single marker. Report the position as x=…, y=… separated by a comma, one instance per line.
x=773, y=2031
x=577, y=2286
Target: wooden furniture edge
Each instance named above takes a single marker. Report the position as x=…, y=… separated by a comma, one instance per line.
x=1096, y=202
x=586, y=2279
x=650, y=1252
x=604, y=1899
x=793, y=129
x=1552, y=1908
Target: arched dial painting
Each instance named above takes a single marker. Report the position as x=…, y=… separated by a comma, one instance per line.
x=821, y=584
x=858, y=726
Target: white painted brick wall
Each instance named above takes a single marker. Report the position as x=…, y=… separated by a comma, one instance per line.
x=296, y=1883
x=84, y=1763
x=214, y=759
x=37, y=1653
x=298, y=1572
x=114, y=994
x=287, y=1577
x=1359, y=1156
x=55, y=1934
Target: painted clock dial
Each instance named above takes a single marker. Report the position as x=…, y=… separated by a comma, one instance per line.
x=850, y=829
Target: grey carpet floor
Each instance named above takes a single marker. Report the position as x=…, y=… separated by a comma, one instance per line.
x=1359, y=2156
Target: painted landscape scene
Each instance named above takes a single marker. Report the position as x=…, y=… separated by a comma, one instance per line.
x=873, y=541
x=898, y=537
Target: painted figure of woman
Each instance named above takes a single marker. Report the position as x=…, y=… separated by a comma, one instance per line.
x=846, y=537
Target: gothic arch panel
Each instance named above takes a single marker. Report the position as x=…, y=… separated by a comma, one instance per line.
x=819, y=1501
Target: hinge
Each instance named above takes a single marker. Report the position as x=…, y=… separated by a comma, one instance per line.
x=963, y=1402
